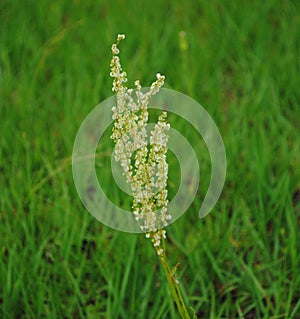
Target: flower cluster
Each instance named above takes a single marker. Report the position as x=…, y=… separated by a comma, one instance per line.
x=143, y=160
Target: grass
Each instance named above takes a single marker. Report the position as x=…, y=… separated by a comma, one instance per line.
x=242, y=65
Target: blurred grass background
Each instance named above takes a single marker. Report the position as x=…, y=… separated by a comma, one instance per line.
x=240, y=60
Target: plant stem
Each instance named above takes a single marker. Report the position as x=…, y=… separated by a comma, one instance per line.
x=174, y=287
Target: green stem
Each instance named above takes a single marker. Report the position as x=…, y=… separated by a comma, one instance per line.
x=174, y=287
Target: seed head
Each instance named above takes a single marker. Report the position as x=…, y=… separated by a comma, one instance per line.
x=144, y=162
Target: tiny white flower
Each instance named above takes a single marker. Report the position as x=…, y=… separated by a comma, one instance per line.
x=160, y=251
x=121, y=37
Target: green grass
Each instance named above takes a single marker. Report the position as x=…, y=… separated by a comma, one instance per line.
x=242, y=64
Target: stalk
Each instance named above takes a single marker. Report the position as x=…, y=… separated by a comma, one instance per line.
x=174, y=285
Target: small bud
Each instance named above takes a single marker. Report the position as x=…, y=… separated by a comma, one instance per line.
x=121, y=37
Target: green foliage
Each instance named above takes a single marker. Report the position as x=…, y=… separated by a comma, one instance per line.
x=240, y=60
